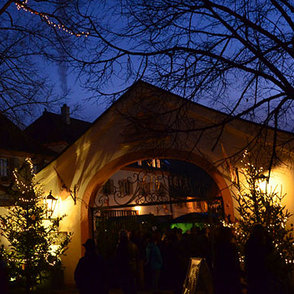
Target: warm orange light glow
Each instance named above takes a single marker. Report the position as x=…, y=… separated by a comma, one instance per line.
x=138, y=209
x=263, y=185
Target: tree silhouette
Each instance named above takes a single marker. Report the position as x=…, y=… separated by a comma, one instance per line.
x=236, y=56
x=33, y=35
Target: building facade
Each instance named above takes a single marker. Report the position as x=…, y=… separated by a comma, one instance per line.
x=99, y=173
x=143, y=125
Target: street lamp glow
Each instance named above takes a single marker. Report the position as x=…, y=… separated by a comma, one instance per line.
x=50, y=204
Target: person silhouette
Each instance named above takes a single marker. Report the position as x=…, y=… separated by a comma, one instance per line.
x=154, y=259
x=127, y=257
x=264, y=267
x=90, y=272
x=3, y=277
x=226, y=267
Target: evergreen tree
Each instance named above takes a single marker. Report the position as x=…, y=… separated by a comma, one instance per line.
x=257, y=205
x=31, y=232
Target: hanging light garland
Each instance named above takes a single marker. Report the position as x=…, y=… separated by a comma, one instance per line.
x=23, y=5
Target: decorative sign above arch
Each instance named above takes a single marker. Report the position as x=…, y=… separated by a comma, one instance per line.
x=168, y=182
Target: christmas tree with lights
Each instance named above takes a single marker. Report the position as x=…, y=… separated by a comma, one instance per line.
x=35, y=246
x=257, y=205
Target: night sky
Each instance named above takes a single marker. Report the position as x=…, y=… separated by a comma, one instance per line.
x=77, y=95
x=140, y=52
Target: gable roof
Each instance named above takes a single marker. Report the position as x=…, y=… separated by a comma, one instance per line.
x=52, y=128
x=228, y=118
x=140, y=89
x=13, y=138
x=118, y=138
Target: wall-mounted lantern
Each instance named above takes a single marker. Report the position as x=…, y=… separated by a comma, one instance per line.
x=51, y=202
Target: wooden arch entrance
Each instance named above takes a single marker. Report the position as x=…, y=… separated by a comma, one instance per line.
x=99, y=179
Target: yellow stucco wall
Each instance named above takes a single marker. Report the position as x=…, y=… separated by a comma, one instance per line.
x=114, y=141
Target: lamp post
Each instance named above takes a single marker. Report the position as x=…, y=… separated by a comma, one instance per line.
x=50, y=204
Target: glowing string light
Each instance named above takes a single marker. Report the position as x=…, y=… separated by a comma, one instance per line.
x=23, y=6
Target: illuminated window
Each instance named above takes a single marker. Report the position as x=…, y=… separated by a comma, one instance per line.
x=158, y=163
x=155, y=163
x=3, y=167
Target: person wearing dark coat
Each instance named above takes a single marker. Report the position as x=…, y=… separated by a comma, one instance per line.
x=226, y=266
x=154, y=260
x=127, y=258
x=90, y=273
x=3, y=277
x=265, y=269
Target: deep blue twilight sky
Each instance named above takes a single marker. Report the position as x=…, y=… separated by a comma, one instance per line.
x=88, y=110
x=77, y=95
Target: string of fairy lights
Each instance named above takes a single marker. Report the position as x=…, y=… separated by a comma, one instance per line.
x=23, y=5
x=240, y=234
x=51, y=256
x=272, y=197
x=21, y=186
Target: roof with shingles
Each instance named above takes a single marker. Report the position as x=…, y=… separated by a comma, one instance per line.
x=51, y=128
x=12, y=138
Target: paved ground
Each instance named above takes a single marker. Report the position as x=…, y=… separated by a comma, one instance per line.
x=75, y=291
x=66, y=291
x=70, y=290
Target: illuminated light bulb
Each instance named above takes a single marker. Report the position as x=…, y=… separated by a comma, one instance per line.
x=46, y=18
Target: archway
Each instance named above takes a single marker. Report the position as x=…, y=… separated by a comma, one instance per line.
x=112, y=167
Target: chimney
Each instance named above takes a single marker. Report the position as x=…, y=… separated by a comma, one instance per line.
x=65, y=114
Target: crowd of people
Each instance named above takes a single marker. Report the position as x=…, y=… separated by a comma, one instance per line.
x=159, y=261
